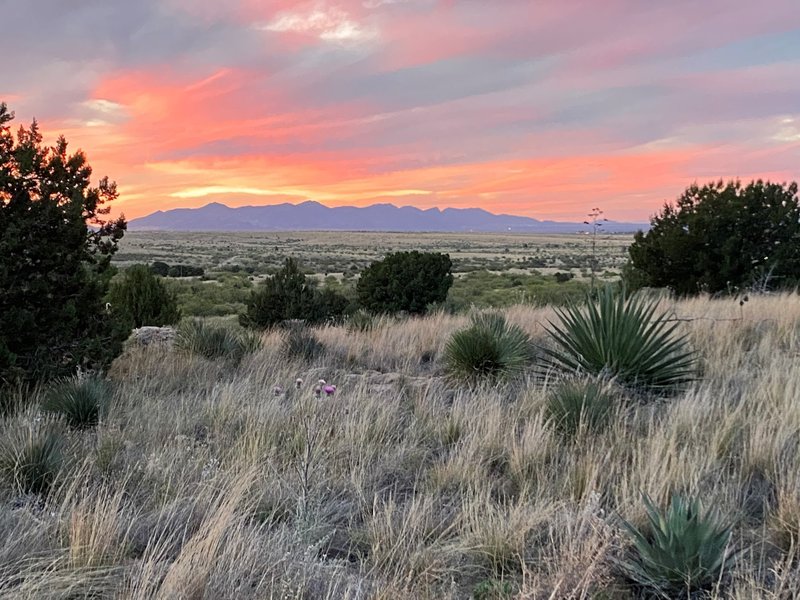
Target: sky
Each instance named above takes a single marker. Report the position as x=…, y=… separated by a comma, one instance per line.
x=542, y=108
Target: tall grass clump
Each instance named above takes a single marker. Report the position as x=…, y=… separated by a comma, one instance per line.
x=624, y=338
x=31, y=455
x=215, y=341
x=489, y=349
x=301, y=343
x=683, y=549
x=82, y=402
x=578, y=404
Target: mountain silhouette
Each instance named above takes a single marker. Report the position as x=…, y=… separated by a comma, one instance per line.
x=313, y=216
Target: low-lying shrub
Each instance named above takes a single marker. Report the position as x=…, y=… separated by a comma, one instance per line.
x=490, y=348
x=216, y=341
x=82, y=402
x=31, y=455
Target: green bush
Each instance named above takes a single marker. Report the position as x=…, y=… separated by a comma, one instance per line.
x=721, y=237
x=31, y=456
x=622, y=338
x=289, y=295
x=484, y=289
x=56, y=244
x=160, y=268
x=573, y=405
x=185, y=271
x=489, y=349
x=140, y=298
x=81, y=402
x=683, y=550
x=226, y=295
x=405, y=281
x=215, y=341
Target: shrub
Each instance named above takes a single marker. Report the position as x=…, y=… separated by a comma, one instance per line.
x=185, y=271
x=31, y=456
x=683, y=550
x=160, y=268
x=405, y=281
x=361, y=320
x=140, y=298
x=301, y=343
x=290, y=295
x=80, y=401
x=577, y=404
x=622, y=338
x=489, y=348
x=56, y=244
x=214, y=341
x=721, y=237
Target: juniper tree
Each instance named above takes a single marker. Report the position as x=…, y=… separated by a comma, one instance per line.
x=56, y=244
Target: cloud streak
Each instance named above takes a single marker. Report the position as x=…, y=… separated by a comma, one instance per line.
x=542, y=109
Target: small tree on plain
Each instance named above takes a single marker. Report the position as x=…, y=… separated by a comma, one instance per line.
x=140, y=298
x=288, y=295
x=721, y=237
x=56, y=244
x=405, y=281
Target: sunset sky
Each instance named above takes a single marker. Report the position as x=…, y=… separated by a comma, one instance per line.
x=541, y=108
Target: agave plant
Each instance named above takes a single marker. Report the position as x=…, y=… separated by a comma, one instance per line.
x=80, y=401
x=684, y=549
x=623, y=338
x=490, y=348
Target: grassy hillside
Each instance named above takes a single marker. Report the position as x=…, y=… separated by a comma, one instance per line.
x=205, y=481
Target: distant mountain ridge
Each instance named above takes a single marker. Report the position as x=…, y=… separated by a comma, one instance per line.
x=313, y=216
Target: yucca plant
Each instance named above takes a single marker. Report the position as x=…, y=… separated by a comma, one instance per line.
x=574, y=404
x=300, y=342
x=489, y=349
x=624, y=338
x=683, y=550
x=82, y=402
x=215, y=341
x=31, y=455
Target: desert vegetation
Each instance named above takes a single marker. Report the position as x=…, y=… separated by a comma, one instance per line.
x=218, y=478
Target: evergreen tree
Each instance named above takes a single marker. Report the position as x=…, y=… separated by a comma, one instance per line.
x=288, y=295
x=405, y=281
x=721, y=237
x=140, y=298
x=56, y=243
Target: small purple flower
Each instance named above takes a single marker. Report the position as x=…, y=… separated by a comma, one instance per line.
x=329, y=390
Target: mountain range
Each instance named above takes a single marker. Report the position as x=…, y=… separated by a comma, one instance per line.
x=313, y=216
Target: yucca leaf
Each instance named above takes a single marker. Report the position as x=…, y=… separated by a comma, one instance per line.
x=621, y=337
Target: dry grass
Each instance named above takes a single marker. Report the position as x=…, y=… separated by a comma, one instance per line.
x=203, y=484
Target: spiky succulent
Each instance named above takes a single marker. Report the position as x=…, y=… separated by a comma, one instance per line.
x=624, y=338
x=683, y=549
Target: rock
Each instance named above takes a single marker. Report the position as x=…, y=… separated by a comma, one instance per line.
x=145, y=336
